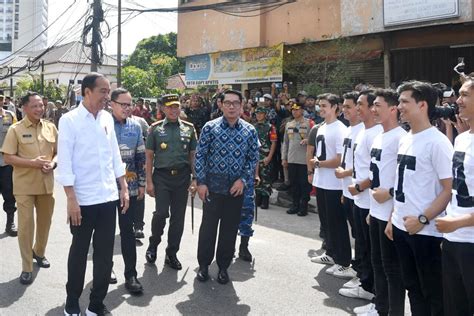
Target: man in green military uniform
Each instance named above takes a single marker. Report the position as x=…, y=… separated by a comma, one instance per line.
x=170, y=148
x=267, y=136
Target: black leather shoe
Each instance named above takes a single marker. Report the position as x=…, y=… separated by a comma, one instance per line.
x=10, y=228
x=41, y=261
x=113, y=278
x=292, y=211
x=302, y=213
x=26, y=278
x=265, y=202
x=203, y=274
x=150, y=255
x=223, y=276
x=139, y=234
x=133, y=285
x=173, y=262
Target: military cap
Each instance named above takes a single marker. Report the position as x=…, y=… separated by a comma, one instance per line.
x=261, y=109
x=296, y=106
x=170, y=99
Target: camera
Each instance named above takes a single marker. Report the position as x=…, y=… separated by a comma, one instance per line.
x=447, y=112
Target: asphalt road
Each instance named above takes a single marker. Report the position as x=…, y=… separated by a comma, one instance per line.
x=280, y=281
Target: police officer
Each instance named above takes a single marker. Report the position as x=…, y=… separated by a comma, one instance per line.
x=268, y=142
x=30, y=146
x=7, y=119
x=170, y=150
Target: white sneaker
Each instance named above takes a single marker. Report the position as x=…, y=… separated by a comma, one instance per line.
x=371, y=313
x=355, y=282
x=69, y=314
x=345, y=273
x=323, y=259
x=365, y=309
x=332, y=269
x=356, y=292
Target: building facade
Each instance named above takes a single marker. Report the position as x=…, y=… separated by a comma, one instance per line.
x=394, y=40
x=23, y=23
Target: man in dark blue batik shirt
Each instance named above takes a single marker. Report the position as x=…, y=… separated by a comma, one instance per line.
x=226, y=157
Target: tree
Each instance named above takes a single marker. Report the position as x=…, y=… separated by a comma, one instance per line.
x=51, y=90
x=155, y=59
x=320, y=67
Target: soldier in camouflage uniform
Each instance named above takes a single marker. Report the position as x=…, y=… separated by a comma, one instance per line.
x=267, y=136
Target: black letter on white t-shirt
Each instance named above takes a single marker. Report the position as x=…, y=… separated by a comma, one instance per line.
x=354, y=167
x=321, y=142
x=347, y=145
x=375, y=153
x=459, y=181
x=408, y=162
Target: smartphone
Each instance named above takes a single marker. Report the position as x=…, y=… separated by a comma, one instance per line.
x=278, y=85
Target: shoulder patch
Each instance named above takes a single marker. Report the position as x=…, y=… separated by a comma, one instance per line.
x=187, y=123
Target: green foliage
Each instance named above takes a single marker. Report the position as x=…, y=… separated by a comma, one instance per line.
x=321, y=67
x=153, y=61
x=51, y=90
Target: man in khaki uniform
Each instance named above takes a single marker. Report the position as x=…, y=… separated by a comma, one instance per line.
x=30, y=147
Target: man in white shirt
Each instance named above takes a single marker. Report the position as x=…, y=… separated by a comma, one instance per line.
x=458, y=225
x=344, y=172
x=360, y=190
x=389, y=290
x=422, y=191
x=89, y=163
x=328, y=143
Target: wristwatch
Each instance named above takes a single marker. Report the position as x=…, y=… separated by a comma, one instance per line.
x=391, y=192
x=316, y=164
x=423, y=219
x=358, y=189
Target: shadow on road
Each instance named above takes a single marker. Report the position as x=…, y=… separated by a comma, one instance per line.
x=211, y=298
x=330, y=285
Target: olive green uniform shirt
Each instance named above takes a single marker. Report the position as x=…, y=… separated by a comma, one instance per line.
x=172, y=142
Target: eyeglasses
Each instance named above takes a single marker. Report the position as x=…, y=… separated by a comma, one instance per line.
x=228, y=103
x=123, y=105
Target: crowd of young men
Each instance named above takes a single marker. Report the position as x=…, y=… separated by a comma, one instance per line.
x=397, y=199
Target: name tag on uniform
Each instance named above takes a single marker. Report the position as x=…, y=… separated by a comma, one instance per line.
x=27, y=135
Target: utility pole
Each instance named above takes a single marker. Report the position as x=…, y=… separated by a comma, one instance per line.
x=96, y=39
x=42, y=77
x=119, y=45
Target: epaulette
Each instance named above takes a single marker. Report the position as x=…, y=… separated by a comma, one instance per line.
x=187, y=123
x=153, y=125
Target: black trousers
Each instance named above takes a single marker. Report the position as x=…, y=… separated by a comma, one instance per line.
x=138, y=222
x=366, y=273
x=458, y=278
x=6, y=187
x=420, y=261
x=300, y=188
x=171, y=195
x=389, y=289
x=221, y=211
x=330, y=209
x=99, y=220
x=348, y=206
x=127, y=237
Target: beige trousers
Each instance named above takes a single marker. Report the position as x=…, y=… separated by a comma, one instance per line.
x=44, y=205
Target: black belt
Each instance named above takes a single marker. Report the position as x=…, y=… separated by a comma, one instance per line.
x=174, y=171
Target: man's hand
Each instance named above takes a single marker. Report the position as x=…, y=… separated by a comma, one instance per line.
x=389, y=230
x=412, y=224
x=312, y=162
x=141, y=193
x=461, y=125
x=352, y=189
x=73, y=212
x=284, y=163
x=124, y=199
x=203, y=192
x=257, y=180
x=48, y=168
x=150, y=189
x=237, y=188
x=339, y=172
x=40, y=162
x=193, y=188
x=310, y=178
x=304, y=142
x=266, y=161
x=381, y=195
x=446, y=224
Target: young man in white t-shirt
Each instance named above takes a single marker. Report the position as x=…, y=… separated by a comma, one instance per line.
x=329, y=140
x=389, y=289
x=458, y=225
x=360, y=190
x=344, y=172
x=422, y=191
